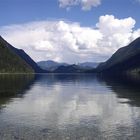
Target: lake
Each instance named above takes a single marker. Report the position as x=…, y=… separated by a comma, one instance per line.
x=69, y=107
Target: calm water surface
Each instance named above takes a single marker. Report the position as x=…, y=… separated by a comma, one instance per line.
x=69, y=107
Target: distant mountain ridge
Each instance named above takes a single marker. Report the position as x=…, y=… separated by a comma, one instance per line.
x=54, y=66
x=69, y=69
x=50, y=65
x=88, y=65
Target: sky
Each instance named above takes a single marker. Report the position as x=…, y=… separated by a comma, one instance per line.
x=70, y=31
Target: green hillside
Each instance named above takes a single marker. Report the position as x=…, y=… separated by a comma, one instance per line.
x=10, y=62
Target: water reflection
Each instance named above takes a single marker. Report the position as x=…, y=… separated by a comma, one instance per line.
x=13, y=86
x=125, y=87
x=75, y=107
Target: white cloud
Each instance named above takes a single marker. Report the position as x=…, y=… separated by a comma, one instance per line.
x=85, y=4
x=70, y=42
x=116, y=32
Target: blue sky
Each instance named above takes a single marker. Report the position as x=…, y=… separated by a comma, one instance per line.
x=70, y=30
x=21, y=11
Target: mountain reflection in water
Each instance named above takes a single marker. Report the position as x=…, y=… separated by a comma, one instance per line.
x=13, y=86
x=125, y=87
x=75, y=107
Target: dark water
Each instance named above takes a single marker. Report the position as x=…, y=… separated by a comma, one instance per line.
x=69, y=107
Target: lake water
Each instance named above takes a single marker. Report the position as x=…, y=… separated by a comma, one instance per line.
x=69, y=107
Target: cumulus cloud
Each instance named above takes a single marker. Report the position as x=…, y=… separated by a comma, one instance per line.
x=116, y=32
x=70, y=42
x=85, y=4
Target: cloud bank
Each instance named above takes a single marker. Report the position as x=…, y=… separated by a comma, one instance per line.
x=85, y=4
x=70, y=42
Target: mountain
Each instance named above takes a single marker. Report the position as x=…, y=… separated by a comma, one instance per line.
x=10, y=62
x=125, y=60
x=50, y=65
x=56, y=66
x=69, y=69
x=88, y=65
x=14, y=60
